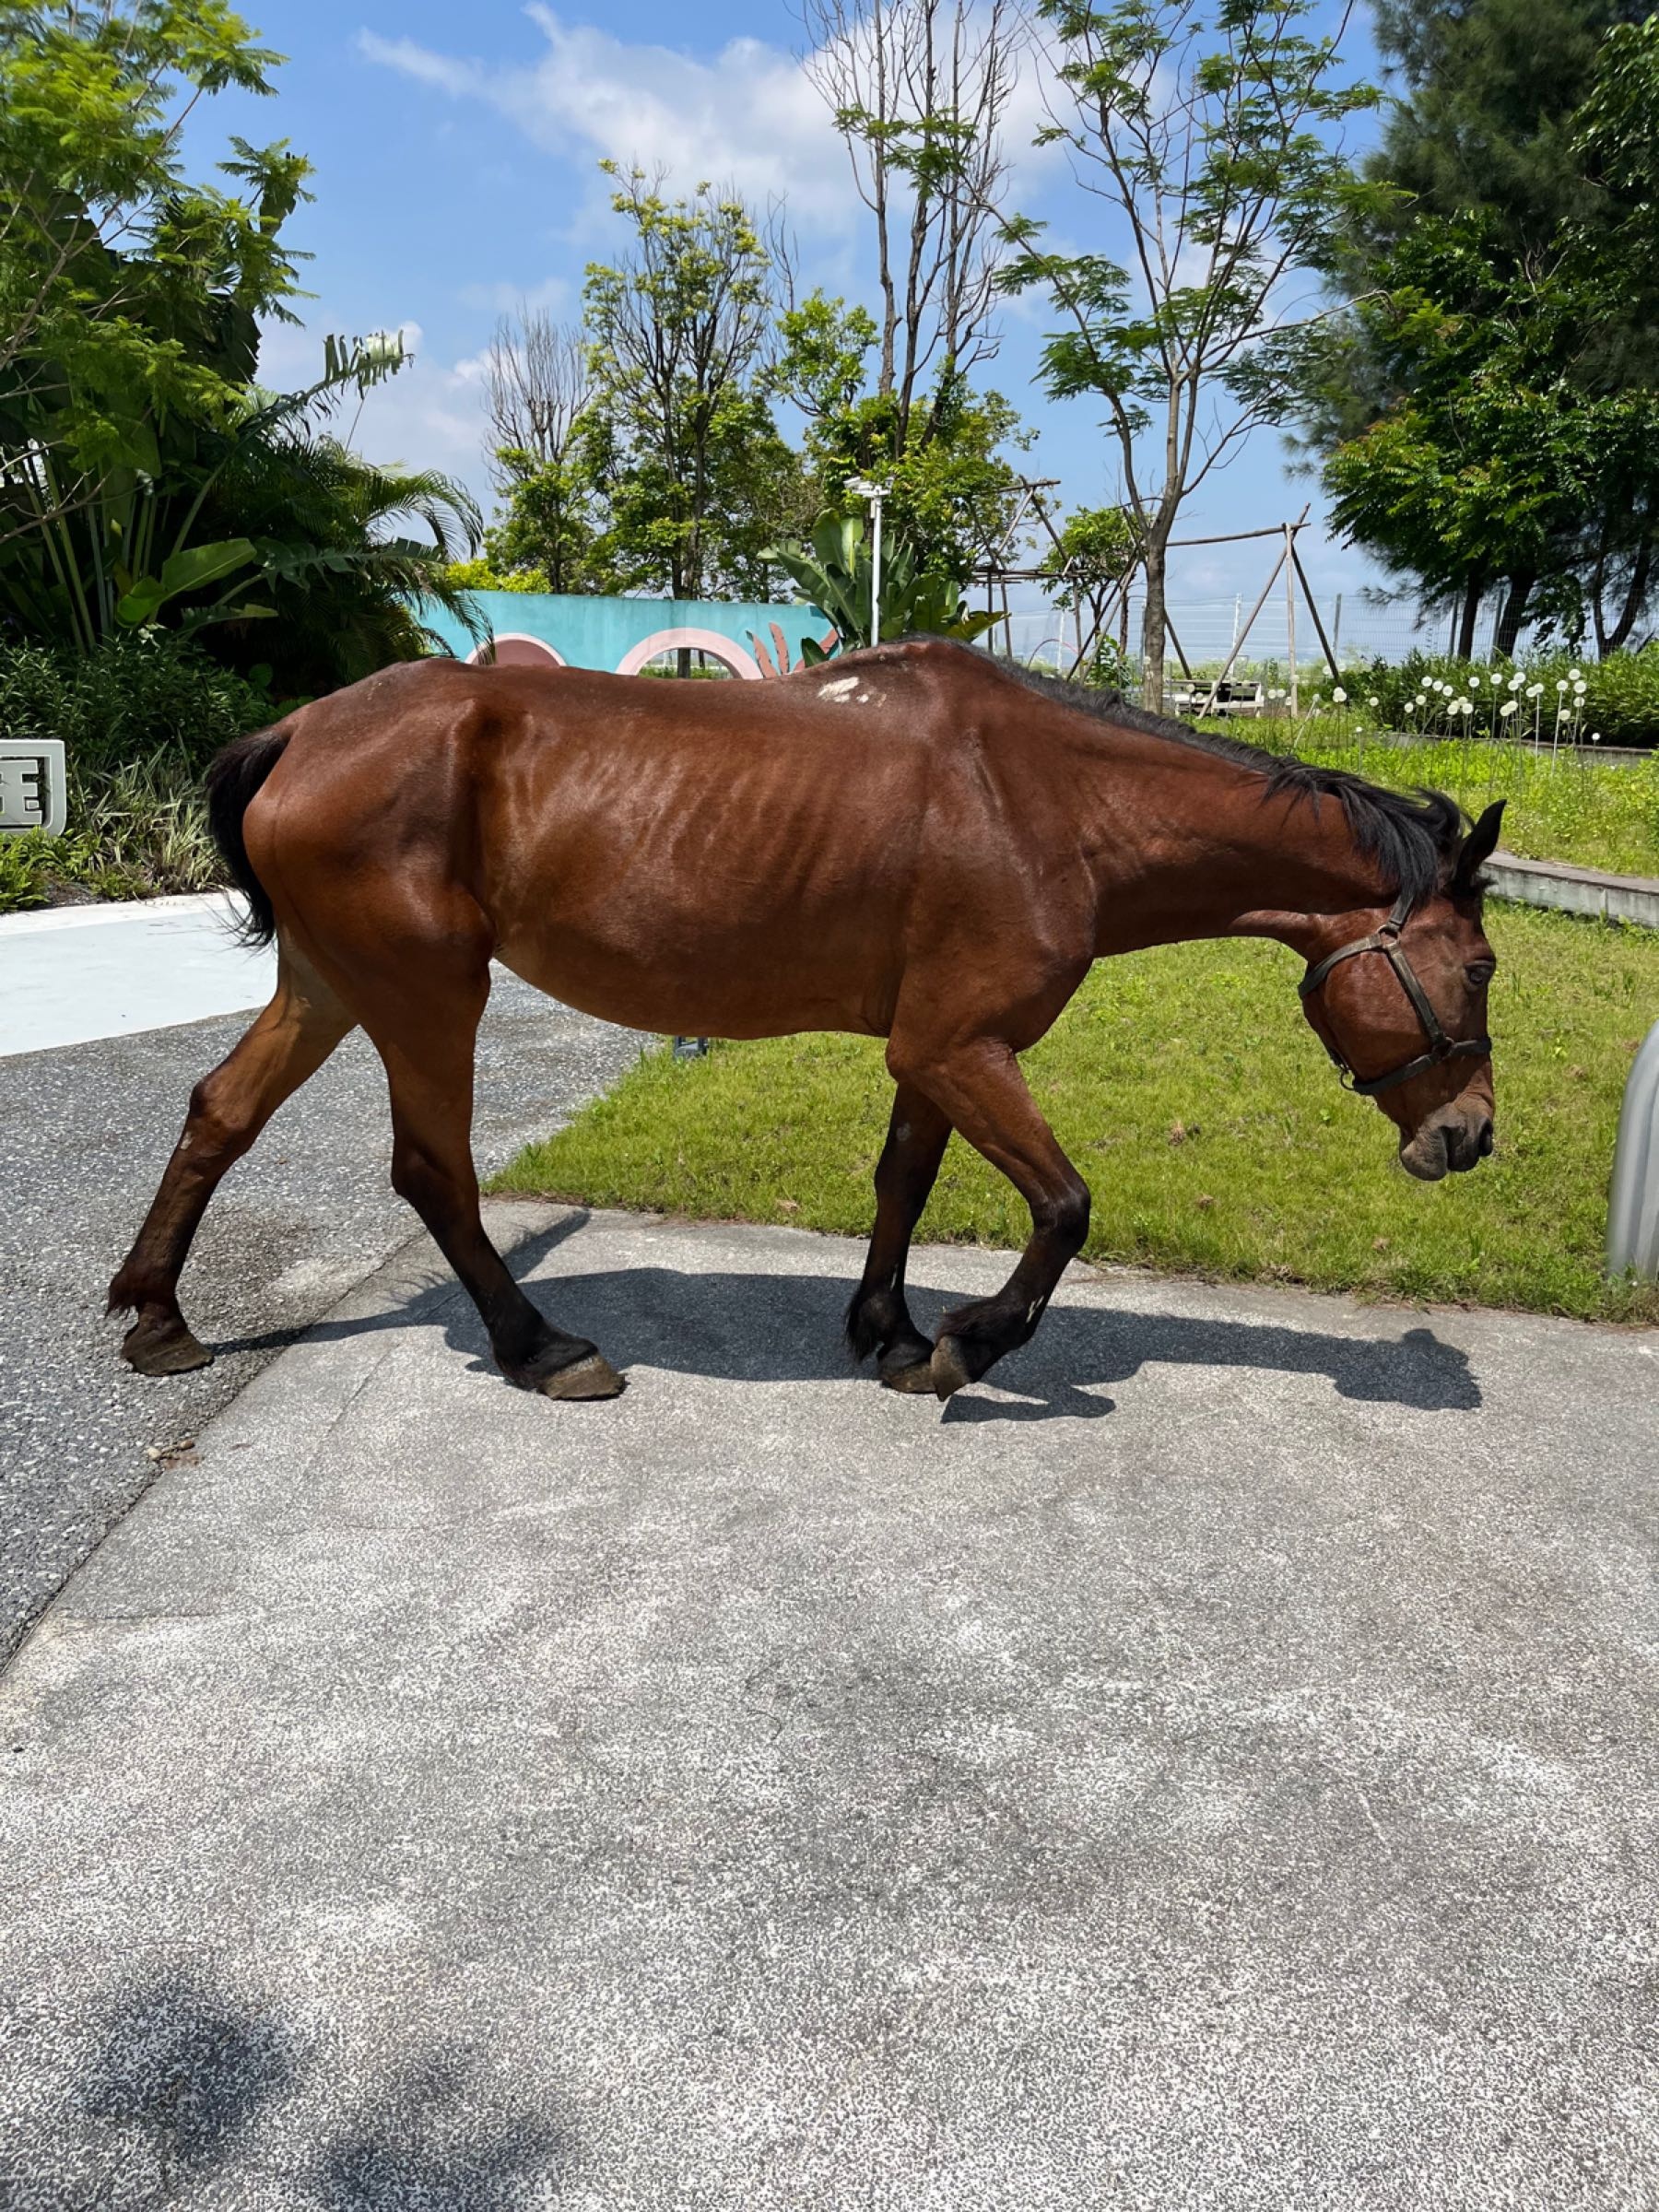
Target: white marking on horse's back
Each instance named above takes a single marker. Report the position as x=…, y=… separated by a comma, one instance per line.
x=841, y=688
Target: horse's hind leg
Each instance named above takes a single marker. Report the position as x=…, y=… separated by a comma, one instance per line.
x=426, y=1042
x=878, y=1319
x=228, y=1108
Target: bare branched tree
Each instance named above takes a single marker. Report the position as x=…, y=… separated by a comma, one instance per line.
x=538, y=385
x=919, y=90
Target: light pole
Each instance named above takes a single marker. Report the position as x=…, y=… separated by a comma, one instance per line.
x=863, y=488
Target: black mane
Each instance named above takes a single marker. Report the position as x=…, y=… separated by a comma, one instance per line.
x=1411, y=839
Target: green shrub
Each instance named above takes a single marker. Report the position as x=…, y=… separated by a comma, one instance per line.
x=26, y=871
x=140, y=719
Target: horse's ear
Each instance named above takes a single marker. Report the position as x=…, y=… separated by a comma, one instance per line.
x=1478, y=848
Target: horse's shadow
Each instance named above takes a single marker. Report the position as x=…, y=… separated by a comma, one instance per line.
x=787, y=1328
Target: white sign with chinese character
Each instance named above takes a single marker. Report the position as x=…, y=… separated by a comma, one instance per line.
x=32, y=794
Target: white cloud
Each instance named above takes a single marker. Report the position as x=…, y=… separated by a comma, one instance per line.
x=552, y=295
x=749, y=117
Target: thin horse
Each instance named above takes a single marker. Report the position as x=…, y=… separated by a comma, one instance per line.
x=913, y=842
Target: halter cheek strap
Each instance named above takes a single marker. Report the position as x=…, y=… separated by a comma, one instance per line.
x=1442, y=1048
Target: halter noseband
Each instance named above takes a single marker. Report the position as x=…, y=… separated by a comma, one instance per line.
x=1442, y=1048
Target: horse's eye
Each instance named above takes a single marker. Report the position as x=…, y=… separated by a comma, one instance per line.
x=1480, y=972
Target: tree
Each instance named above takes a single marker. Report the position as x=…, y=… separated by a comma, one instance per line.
x=1093, y=553
x=950, y=493
x=919, y=90
x=338, y=580
x=142, y=540
x=1486, y=401
x=538, y=386
x=677, y=441
x=146, y=480
x=1219, y=154
x=1485, y=126
x=1499, y=456
x=127, y=293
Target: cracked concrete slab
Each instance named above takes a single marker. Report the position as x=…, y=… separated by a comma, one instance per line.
x=1215, y=1769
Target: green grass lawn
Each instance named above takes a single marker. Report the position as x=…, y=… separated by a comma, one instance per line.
x=1205, y=1118
x=1600, y=814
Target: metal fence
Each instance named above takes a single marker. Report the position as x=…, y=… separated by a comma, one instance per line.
x=1039, y=634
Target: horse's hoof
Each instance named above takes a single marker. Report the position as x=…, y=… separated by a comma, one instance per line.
x=163, y=1348
x=948, y=1371
x=915, y=1378
x=590, y=1378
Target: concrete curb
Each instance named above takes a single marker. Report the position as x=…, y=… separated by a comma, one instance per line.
x=1574, y=891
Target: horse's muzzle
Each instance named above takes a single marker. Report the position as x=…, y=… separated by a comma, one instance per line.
x=1449, y=1147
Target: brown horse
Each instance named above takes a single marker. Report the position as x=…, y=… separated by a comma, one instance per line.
x=914, y=842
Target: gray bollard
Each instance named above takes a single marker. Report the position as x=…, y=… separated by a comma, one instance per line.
x=1633, y=1204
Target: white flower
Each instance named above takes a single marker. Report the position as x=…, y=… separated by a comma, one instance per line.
x=1474, y=682
x=1579, y=690
x=1534, y=690
x=1577, y=675
x=1465, y=706
x=1514, y=682
x=1373, y=700
x=1561, y=684
x=1338, y=696
x=1419, y=703
x=1596, y=737
x=1510, y=706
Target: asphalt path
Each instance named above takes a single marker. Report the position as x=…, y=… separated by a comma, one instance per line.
x=85, y=1132
x=1210, y=1770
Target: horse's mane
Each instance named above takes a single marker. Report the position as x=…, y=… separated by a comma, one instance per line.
x=1410, y=838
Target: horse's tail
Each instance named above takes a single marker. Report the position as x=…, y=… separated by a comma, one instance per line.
x=234, y=778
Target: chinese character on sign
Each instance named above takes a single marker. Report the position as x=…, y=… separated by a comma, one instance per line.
x=32, y=786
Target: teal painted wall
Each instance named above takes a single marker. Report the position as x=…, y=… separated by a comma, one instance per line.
x=623, y=633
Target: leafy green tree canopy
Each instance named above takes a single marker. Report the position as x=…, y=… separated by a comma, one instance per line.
x=127, y=290
x=677, y=441
x=1216, y=145
x=1488, y=403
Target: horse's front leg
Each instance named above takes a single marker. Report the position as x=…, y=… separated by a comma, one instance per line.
x=978, y=1086
x=878, y=1319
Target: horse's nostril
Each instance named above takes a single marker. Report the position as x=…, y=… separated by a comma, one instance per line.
x=1485, y=1140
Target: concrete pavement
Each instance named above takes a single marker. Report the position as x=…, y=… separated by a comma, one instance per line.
x=85, y=1132
x=1215, y=1769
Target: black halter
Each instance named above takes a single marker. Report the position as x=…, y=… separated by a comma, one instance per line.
x=1442, y=1048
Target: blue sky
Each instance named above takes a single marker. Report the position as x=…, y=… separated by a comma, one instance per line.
x=456, y=150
